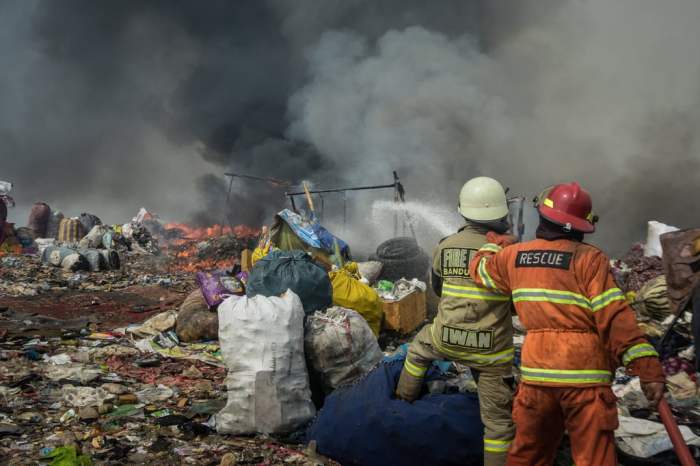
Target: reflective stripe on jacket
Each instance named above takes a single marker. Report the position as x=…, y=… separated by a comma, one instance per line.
x=580, y=328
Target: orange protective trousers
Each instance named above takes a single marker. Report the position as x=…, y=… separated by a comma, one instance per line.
x=541, y=414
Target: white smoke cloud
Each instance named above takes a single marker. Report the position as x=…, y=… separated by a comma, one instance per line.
x=601, y=92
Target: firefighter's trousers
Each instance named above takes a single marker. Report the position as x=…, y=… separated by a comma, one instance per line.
x=495, y=394
x=542, y=413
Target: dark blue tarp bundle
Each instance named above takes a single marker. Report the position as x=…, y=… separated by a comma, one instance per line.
x=364, y=424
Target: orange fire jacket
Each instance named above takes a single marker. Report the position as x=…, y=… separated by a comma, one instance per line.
x=579, y=325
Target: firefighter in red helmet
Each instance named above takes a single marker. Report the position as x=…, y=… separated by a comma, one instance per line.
x=580, y=329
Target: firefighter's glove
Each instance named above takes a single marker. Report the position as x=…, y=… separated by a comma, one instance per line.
x=651, y=377
x=654, y=391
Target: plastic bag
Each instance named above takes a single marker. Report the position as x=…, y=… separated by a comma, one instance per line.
x=217, y=286
x=111, y=258
x=89, y=221
x=95, y=259
x=340, y=346
x=70, y=230
x=282, y=270
x=262, y=343
x=94, y=237
x=370, y=270
x=53, y=224
x=655, y=229
x=67, y=258
x=350, y=293
x=39, y=219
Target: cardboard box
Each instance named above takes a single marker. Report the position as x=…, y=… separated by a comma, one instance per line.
x=246, y=260
x=405, y=315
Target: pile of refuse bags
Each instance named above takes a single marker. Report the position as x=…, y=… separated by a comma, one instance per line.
x=82, y=242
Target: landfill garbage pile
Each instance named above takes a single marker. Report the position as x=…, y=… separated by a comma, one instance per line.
x=643, y=275
x=117, y=395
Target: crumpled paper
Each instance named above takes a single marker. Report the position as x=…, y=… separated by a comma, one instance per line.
x=155, y=325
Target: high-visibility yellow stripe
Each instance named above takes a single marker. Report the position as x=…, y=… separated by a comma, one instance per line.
x=565, y=376
x=484, y=297
x=484, y=275
x=602, y=300
x=641, y=350
x=490, y=247
x=414, y=370
x=497, y=446
x=500, y=357
x=551, y=296
x=472, y=292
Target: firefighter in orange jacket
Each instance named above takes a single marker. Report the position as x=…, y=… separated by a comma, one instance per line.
x=579, y=330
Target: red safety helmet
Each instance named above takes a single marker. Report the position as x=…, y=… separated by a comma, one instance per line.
x=568, y=205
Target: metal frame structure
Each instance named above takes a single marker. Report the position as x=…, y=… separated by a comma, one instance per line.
x=399, y=196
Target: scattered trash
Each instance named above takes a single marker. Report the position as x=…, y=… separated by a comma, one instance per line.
x=110, y=345
x=643, y=438
x=66, y=456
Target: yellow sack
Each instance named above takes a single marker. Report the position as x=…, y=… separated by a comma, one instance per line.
x=259, y=253
x=350, y=293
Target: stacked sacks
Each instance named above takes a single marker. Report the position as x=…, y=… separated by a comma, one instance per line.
x=87, y=256
x=64, y=257
x=295, y=270
x=94, y=238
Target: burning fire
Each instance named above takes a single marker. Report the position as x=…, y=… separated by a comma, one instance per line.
x=185, y=245
x=214, y=231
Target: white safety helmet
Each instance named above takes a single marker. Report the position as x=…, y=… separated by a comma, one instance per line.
x=483, y=199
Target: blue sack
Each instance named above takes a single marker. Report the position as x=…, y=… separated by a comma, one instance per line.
x=364, y=424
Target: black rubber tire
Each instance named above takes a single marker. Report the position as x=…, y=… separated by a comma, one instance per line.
x=402, y=258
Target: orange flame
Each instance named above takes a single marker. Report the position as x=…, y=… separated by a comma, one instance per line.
x=184, y=251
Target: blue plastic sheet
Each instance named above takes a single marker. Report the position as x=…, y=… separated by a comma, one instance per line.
x=313, y=233
x=364, y=424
